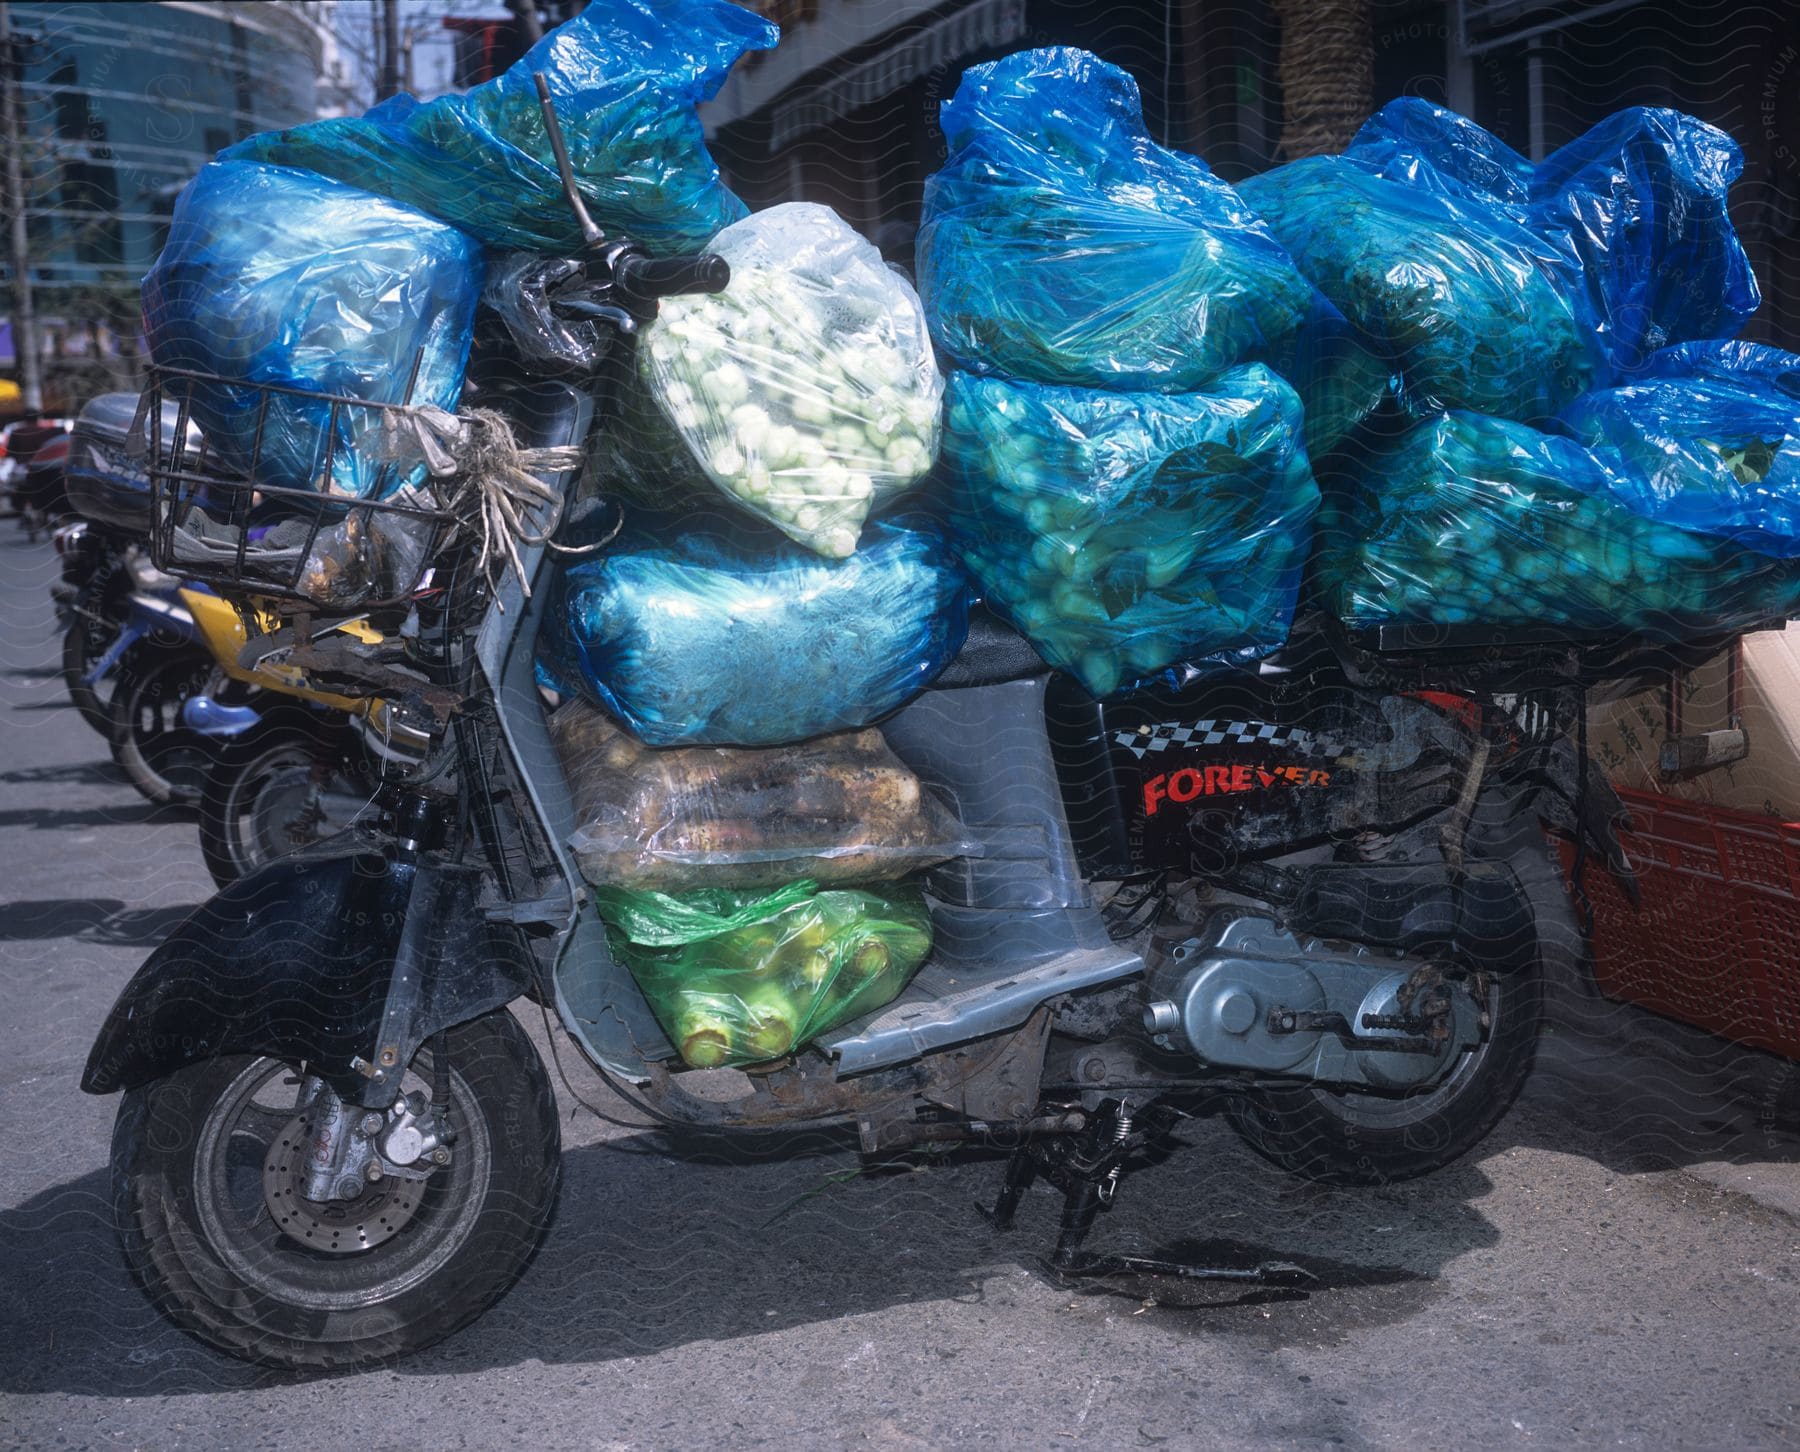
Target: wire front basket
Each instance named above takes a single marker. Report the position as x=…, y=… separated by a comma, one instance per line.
x=291, y=495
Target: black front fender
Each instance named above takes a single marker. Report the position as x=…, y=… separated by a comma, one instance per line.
x=345, y=962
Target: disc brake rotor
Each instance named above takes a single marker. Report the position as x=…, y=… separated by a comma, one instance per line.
x=337, y=1227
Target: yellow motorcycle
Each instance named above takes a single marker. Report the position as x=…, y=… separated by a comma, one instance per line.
x=289, y=773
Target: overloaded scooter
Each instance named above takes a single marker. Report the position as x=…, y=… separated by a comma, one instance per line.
x=1306, y=886
x=1315, y=897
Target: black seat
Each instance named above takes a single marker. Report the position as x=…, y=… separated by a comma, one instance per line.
x=993, y=653
x=544, y=412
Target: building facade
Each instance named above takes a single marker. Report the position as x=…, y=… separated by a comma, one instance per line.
x=844, y=110
x=121, y=105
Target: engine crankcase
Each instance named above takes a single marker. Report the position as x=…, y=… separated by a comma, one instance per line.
x=1247, y=994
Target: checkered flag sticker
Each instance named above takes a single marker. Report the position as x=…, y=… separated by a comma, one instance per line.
x=1143, y=740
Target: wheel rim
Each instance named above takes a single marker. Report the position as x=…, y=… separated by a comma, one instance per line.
x=1414, y=1108
x=274, y=807
x=171, y=754
x=411, y=1234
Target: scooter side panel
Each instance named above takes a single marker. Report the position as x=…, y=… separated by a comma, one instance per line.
x=597, y=999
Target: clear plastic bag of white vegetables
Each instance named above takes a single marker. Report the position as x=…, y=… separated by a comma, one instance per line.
x=807, y=390
x=1126, y=532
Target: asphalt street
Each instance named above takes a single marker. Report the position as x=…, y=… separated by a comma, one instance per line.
x=1618, y=1265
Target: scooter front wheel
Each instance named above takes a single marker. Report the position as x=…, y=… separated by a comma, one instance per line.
x=160, y=755
x=206, y=1172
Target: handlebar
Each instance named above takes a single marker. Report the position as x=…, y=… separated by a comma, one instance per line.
x=638, y=281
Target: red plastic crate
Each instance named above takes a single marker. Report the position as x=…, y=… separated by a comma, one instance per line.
x=1716, y=939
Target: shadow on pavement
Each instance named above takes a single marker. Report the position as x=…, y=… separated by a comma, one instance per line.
x=68, y=819
x=663, y=1242
x=90, y=920
x=658, y=1245
x=75, y=773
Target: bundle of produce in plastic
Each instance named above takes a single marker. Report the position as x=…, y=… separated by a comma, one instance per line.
x=1474, y=309
x=1434, y=149
x=625, y=78
x=1125, y=532
x=807, y=390
x=1508, y=288
x=1472, y=520
x=838, y=809
x=1060, y=244
x=743, y=977
x=749, y=640
x=274, y=276
x=1705, y=436
x=1641, y=198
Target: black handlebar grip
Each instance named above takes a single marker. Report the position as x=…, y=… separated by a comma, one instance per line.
x=653, y=277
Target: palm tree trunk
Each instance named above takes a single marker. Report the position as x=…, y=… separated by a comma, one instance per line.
x=1327, y=73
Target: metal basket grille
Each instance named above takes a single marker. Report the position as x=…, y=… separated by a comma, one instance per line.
x=229, y=524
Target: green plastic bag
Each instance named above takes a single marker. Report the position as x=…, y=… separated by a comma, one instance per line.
x=744, y=977
x=1466, y=520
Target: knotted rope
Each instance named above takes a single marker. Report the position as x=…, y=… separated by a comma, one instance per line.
x=482, y=476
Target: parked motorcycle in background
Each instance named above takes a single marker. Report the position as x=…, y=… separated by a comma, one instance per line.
x=32, y=455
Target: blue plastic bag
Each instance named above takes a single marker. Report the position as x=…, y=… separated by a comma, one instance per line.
x=1126, y=532
x=1465, y=520
x=1640, y=199
x=274, y=276
x=1637, y=202
x=1060, y=244
x=1437, y=150
x=1707, y=437
x=625, y=77
x=714, y=640
x=1727, y=361
x=1475, y=309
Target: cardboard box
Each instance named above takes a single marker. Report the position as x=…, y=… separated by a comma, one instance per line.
x=1625, y=736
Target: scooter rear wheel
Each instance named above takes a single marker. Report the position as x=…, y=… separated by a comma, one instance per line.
x=1349, y=1138
x=215, y=1231
x=161, y=756
x=83, y=646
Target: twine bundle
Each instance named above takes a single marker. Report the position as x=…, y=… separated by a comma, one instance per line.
x=489, y=482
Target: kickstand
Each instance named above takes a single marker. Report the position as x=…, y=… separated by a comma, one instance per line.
x=1087, y=1169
